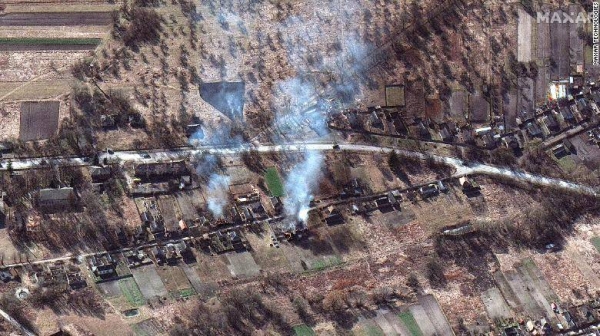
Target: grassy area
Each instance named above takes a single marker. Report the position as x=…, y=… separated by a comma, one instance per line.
x=132, y=292
x=596, y=242
x=48, y=41
x=303, y=330
x=274, y=182
x=326, y=263
x=410, y=323
x=567, y=164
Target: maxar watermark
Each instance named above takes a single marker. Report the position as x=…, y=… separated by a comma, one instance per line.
x=595, y=33
x=564, y=17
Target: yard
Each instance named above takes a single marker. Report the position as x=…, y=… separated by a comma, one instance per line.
x=274, y=182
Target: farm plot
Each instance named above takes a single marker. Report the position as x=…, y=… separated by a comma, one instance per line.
x=33, y=44
x=56, y=19
x=149, y=282
x=303, y=330
x=188, y=202
x=312, y=253
x=132, y=292
x=542, y=53
x=274, y=182
x=410, y=323
x=242, y=265
x=175, y=281
x=267, y=256
x=149, y=327
x=524, y=36
x=509, y=107
x=479, y=108
x=559, y=41
x=39, y=120
x=521, y=289
x=204, y=289
x=575, y=43
x=525, y=98
x=110, y=289
x=458, y=105
x=495, y=305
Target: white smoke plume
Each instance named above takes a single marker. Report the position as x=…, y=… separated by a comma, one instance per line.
x=218, y=190
x=300, y=184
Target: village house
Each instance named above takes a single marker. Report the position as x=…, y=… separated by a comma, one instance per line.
x=55, y=199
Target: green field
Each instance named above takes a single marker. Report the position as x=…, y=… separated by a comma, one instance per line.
x=596, y=242
x=410, y=323
x=48, y=41
x=303, y=330
x=274, y=182
x=185, y=293
x=132, y=292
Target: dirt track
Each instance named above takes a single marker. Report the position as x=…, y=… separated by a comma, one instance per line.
x=56, y=19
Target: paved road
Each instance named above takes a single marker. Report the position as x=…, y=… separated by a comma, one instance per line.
x=462, y=167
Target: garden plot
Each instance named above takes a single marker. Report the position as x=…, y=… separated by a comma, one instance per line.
x=495, y=305
x=204, y=289
x=312, y=253
x=175, y=281
x=509, y=107
x=242, y=265
x=524, y=36
x=266, y=255
x=56, y=19
x=459, y=105
x=559, y=41
x=149, y=282
x=542, y=53
x=39, y=120
x=109, y=289
x=525, y=99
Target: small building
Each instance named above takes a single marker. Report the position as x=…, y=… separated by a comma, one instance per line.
x=567, y=114
x=333, y=216
x=429, y=190
x=57, y=198
x=551, y=123
x=108, y=122
x=534, y=130
x=376, y=121
x=560, y=151
x=100, y=174
x=104, y=266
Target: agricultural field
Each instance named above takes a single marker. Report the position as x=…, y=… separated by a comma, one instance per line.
x=39, y=42
x=131, y=292
x=274, y=182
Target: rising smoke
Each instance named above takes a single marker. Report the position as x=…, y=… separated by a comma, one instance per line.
x=302, y=104
x=300, y=184
x=218, y=186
